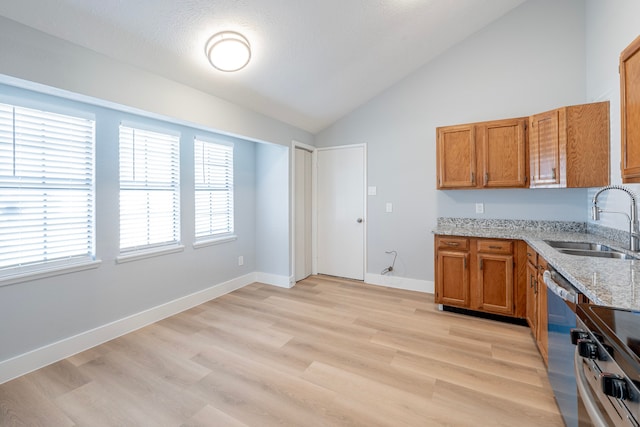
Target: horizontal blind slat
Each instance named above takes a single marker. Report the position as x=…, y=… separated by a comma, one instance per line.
x=149, y=189
x=47, y=188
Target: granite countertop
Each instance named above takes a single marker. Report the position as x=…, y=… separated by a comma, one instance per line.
x=606, y=281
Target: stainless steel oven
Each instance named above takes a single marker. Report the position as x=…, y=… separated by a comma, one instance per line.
x=607, y=364
x=594, y=358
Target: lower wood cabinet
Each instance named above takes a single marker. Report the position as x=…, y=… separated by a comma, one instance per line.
x=536, y=290
x=542, y=333
x=481, y=274
x=496, y=276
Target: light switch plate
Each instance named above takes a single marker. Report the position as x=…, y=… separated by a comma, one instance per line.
x=372, y=191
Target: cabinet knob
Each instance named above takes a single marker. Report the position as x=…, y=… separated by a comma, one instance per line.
x=359, y=220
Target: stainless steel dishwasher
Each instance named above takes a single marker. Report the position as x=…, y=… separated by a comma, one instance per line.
x=561, y=306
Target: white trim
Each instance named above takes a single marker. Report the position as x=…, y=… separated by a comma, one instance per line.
x=292, y=211
x=405, y=283
x=43, y=356
x=27, y=275
x=210, y=241
x=149, y=253
x=275, y=280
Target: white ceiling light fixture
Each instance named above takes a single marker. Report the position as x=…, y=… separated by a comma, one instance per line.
x=228, y=51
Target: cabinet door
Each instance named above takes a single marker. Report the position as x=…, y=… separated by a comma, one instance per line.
x=452, y=278
x=495, y=283
x=504, y=154
x=456, y=157
x=544, y=149
x=630, y=111
x=532, y=301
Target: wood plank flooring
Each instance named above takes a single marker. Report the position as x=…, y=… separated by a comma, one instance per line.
x=329, y=352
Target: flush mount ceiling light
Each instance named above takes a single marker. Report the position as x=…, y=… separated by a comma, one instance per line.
x=228, y=51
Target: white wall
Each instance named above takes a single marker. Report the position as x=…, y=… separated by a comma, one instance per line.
x=611, y=26
x=529, y=61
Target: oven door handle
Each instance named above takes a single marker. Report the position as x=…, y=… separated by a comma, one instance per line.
x=569, y=295
x=588, y=398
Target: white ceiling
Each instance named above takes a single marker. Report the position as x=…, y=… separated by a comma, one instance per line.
x=313, y=61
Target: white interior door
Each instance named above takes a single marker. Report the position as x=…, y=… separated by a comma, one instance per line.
x=302, y=213
x=341, y=211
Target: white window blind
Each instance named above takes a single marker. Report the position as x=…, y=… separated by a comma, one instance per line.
x=149, y=189
x=46, y=189
x=213, y=189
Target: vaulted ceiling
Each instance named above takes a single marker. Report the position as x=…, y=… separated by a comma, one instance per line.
x=313, y=61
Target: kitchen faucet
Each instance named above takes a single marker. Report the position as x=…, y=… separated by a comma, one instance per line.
x=634, y=229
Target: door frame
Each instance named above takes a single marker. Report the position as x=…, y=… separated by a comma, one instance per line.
x=314, y=204
x=310, y=148
x=314, y=218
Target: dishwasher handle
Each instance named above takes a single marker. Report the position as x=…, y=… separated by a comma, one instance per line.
x=567, y=292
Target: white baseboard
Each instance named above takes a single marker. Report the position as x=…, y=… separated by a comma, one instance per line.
x=406, y=283
x=275, y=280
x=43, y=356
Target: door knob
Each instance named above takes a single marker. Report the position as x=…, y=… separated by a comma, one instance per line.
x=359, y=220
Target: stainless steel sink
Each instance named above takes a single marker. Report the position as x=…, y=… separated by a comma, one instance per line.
x=578, y=245
x=597, y=253
x=588, y=249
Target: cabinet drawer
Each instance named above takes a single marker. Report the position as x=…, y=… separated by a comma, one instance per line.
x=456, y=243
x=495, y=246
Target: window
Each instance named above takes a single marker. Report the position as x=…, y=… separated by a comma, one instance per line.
x=46, y=190
x=149, y=189
x=213, y=189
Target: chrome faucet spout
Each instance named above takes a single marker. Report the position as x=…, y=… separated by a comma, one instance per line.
x=634, y=227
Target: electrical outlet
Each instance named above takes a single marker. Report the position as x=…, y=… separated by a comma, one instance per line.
x=240, y=260
x=389, y=207
x=479, y=208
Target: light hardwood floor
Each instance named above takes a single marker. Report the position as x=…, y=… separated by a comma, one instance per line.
x=329, y=352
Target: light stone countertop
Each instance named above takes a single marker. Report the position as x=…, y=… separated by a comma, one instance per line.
x=605, y=281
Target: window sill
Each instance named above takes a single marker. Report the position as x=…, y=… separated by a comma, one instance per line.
x=150, y=253
x=26, y=276
x=214, y=241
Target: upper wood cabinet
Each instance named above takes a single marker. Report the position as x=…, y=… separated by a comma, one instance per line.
x=569, y=147
x=456, y=156
x=482, y=155
x=630, y=112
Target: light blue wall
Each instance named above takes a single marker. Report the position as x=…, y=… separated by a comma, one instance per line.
x=272, y=210
x=529, y=61
x=39, y=312
x=34, y=56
